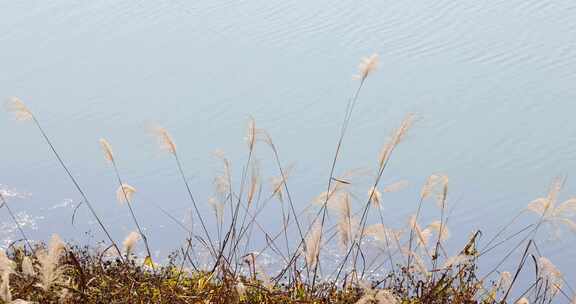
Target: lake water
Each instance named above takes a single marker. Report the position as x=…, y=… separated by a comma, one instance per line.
x=492, y=82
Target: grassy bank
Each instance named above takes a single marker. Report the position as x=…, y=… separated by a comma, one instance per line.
x=412, y=262
x=61, y=273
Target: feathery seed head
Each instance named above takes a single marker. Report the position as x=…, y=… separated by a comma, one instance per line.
x=523, y=300
x=394, y=187
x=552, y=213
x=28, y=267
x=397, y=137
x=460, y=259
x=380, y=296
x=436, y=184
x=6, y=264
x=49, y=271
x=313, y=244
x=436, y=226
x=422, y=235
x=278, y=183
x=367, y=66
x=218, y=208
x=130, y=242
x=56, y=246
x=222, y=182
x=254, y=182
x=419, y=264
x=505, y=280
x=251, y=134
x=401, y=132
x=107, y=149
x=346, y=223
x=124, y=193
x=544, y=206
x=5, y=293
x=164, y=138
x=375, y=197
x=549, y=273
x=383, y=234
x=20, y=110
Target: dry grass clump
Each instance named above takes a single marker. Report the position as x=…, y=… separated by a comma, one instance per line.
x=376, y=263
x=72, y=274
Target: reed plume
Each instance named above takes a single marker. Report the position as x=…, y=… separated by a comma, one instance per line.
x=367, y=66
x=22, y=112
x=346, y=224
x=441, y=229
x=340, y=183
x=49, y=271
x=550, y=274
x=218, y=208
x=254, y=183
x=437, y=185
x=124, y=193
x=223, y=182
x=396, y=186
x=251, y=134
x=523, y=300
x=5, y=293
x=130, y=242
x=107, y=149
x=419, y=264
x=457, y=260
x=6, y=264
x=505, y=280
x=277, y=183
x=28, y=267
x=548, y=210
x=383, y=234
x=313, y=245
x=56, y=246
x=396, y=138
x=166, y=143
x=379, y=296
x=422, y=234
x=164, y=138
x=19, y=109
x=375, y=197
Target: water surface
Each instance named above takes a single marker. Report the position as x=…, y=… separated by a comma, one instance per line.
x=492, y=83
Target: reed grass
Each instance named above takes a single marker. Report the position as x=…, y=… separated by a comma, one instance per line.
x=377, y=263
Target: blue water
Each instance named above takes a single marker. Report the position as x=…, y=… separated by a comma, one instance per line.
x=492, y=83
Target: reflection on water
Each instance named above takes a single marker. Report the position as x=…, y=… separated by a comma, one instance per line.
x=492, y=82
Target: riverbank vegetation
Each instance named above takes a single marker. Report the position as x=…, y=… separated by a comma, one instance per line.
x=377, y=263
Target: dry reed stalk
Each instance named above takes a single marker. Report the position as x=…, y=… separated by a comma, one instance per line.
x=397, y=137
x=430, y=186
x=366, y=67
x=22, y=112
x=232, y=233
x=167, y=143
x=124, y=193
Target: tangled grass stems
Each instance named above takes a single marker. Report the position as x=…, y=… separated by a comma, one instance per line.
x=22, y=112
x=167, y=143
x=123, y=195
x=407, y=265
